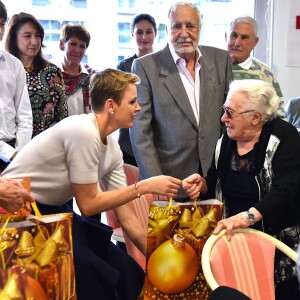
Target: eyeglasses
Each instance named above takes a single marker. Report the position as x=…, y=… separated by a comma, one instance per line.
x=230, y=114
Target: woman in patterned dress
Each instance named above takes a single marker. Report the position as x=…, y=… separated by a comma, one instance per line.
x=24, y=40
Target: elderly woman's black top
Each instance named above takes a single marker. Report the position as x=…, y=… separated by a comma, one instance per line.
x=239, y=185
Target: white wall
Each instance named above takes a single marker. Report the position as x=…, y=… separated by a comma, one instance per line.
x=288, y=77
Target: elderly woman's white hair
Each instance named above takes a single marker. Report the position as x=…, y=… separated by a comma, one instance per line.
x=261, y=96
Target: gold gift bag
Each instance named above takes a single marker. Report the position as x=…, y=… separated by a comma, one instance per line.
x=176, y=235
x=36, y=258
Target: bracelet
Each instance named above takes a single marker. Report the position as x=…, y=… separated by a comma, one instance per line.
x=250, y=217
x=137, y=190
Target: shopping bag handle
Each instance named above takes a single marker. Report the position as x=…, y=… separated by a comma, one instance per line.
x=36, y=212
x=35, y=209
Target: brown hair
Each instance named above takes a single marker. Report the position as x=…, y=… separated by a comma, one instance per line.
x=76, y=30
x=3, y=11
x=109, y=83
x=14, y=25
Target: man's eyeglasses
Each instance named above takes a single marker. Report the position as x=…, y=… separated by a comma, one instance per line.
x=230, y=114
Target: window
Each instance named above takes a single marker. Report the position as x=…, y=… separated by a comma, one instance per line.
x=78, y=3
x=127, y=3
x=124, y=33
x=161, y=34
x=51, y=37
x=40, y=2
x=50, y=24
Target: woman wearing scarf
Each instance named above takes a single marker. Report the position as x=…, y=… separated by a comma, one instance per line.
x=74, y=41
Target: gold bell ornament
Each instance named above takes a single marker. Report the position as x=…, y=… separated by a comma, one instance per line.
x=25, y=246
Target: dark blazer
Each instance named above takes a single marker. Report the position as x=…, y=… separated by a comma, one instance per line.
x=165, y=137
x=124, y=139
x=125, y=64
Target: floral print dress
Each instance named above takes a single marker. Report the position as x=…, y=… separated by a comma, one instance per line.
x=47, y=97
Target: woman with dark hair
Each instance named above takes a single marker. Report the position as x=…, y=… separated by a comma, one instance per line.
x=143, y=30
x=24, y=40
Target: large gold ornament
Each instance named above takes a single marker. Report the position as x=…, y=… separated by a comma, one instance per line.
x=173, y=266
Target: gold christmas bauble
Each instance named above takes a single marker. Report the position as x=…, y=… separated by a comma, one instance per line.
x=173, y=266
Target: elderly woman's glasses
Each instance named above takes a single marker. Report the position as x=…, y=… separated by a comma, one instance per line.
x=230, y=114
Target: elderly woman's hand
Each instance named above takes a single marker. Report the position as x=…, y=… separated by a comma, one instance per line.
x=237, y=221
x=194, y=185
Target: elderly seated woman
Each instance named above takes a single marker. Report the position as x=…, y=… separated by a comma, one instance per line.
x=256, y=173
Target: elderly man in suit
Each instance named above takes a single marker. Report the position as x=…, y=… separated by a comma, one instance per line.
x=182, y=89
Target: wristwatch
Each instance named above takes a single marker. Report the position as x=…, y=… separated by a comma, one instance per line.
x=250, y=217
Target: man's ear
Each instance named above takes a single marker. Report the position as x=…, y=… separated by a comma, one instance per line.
x=61, y=45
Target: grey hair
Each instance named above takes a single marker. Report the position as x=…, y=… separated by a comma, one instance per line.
x=177, y=5
x=245, y=19
x=261, y=96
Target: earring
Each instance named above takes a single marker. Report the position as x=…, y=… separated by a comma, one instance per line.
x=112, y=112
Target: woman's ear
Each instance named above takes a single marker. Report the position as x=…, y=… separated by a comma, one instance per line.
x=256, y=118
x=110, y=106
x=61, y=45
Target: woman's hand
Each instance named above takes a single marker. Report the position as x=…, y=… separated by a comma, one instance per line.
x=13, y=195
x=161, y=185
x=236, y=221
x=194, y=185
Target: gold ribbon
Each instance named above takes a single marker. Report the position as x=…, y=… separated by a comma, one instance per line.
x=160, y=218
x=6, y=241
x=197, y=223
